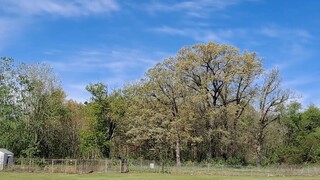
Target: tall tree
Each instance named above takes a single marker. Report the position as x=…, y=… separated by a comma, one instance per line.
x=8, y=89
x=96, y=139
x=105, y=114
x=204, y=88
x=41, y=98
x=222, y=81
x=270, y=101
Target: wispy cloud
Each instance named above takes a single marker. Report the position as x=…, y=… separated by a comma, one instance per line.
x=174, y=31
x=9, y=28
x=112, y=60
x=70, y=8
x=292, y=43
x=112, y=66
x=228, y=34
x=309, y=97
x=202, y=35
x=285, y=33
x=19, y=16
x=194, y=8
x=77, y=91
x=301, y=81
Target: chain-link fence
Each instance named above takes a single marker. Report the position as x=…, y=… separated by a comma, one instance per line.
x=82, y=166
x=69, y=166
x=194, y=168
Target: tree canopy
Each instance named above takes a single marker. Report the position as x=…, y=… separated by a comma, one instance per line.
x=209, y=102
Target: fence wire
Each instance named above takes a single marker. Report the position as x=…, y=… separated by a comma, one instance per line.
x=83, y=166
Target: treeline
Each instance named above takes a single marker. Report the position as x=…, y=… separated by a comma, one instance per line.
x=210, y=102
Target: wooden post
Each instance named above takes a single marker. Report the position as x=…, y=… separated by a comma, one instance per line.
x=140, y=163
x=65, y=169
x=106, y=166
x=75, y=164
x=29, y=164
x=52, y=162
x=22, y=163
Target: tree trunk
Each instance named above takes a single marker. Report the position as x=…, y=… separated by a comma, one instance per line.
x=178, y=152
x=259, y=148
x=259, y=156
x=210, y=142
x=210, y=152
x=234, y=139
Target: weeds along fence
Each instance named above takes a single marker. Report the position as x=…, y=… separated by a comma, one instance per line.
x=82, y=166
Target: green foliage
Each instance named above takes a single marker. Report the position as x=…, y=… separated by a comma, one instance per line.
x=104, y=114
x=197, y=99
x=303, y=133
x=32, y=110
x=208, y=102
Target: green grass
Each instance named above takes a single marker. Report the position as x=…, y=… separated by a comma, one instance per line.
x=132, y=176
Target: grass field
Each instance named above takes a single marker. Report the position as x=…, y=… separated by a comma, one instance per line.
x=142, y=176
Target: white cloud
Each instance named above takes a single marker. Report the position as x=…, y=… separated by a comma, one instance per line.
x=114, y=67
x=10, y=28
x=194, y=8
x=292, y=43
x=18, y=16
x=309, y=97
x=202, y=35
x=293, y=54
x=77, y=90
x=285, y=33
x=301, y=81
x=117, y=60
x=70, y=8
x=223, y=35
x=174, y=31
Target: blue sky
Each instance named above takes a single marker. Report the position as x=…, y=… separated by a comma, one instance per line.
x=115, y=42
